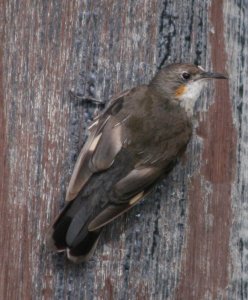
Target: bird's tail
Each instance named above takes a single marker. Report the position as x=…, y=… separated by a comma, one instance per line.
x=70, y=232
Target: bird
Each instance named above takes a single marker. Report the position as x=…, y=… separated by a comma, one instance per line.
x=133, y=143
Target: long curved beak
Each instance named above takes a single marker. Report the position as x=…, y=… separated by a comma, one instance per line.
x=211, y=75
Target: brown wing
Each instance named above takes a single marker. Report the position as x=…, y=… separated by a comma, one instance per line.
x=128, y=191
x=98, y=153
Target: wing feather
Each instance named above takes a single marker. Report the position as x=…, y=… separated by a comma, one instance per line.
x=108, y=147
x=111, y=212
x=128, y=192
x=98, y=153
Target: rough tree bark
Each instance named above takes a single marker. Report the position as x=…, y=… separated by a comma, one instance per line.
x=189, y=239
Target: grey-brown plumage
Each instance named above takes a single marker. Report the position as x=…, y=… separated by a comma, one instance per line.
x=136, y=141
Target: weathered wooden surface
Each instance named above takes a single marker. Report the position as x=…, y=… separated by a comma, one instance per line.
x=189, y=240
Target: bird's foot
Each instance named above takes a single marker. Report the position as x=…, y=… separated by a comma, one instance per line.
x=86, y=99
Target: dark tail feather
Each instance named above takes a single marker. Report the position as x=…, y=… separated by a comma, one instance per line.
x=56, y=235
x=84, y=250
x=76, y=240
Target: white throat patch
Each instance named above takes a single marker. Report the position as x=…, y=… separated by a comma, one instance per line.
x=191, y=94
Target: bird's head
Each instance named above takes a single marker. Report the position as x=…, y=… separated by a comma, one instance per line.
x=183, y=83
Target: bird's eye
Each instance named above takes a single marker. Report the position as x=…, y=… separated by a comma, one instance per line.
x=186, y=75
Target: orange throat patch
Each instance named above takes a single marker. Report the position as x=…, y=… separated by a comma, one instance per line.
x=180, y=91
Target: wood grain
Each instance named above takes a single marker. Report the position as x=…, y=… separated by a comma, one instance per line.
x=205, y=268
x=188, y=240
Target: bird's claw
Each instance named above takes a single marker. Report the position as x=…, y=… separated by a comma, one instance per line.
x=87, y=99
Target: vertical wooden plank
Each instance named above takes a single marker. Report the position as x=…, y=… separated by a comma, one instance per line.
x=205, y=272
x=3, y=163
x=236, y=16
x=36, y=53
